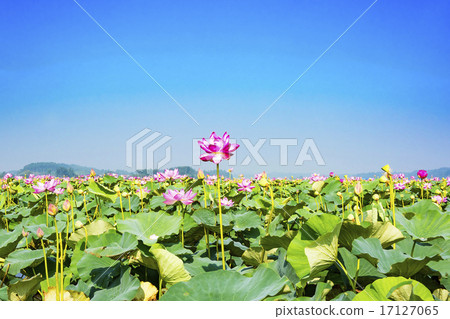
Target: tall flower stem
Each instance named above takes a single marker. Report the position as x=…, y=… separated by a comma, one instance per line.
x=121, y=206
x=46, y=205
x=272, y=208
x=45, y=263
x=73, y=219
x=204, y=227
x=57, y=261
x=220, y=217
x=391, y=193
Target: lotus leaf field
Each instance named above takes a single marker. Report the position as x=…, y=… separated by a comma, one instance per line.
x=160, y=238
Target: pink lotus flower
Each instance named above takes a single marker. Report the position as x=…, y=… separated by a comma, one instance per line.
x=217, y=148
x=47, y=186
x=40, y=232
x=7, y=176
x=260, y=175
x=427, y=186
x=422, y=174
x=211, y=180
x=172, y=196
x=245, y=186
x=399, y=186
x=58, y=191
x=226, y=202
x=171, y=174
x=438, y=199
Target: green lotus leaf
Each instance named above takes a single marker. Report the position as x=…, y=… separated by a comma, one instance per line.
x=24, y=289
x=315, y=247
x=145, y=225
x=395, y=261
x=426, y=222
x=366, y=269
x=9, y=241
x=384, y=231
x=245, y=220
x=125, y=291
x=23, y=258
x=270, y=242
x=170, y=267
x=394, y=288
x=102, y=191
x=98, y=270
x=97, y=227
x=223, y=285
x=112, y=244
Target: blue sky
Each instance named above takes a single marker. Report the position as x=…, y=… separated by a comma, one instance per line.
x=380, y=95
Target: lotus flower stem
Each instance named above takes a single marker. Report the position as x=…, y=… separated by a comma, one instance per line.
x=85, y=208
x=207, y=241
x=121, y=206
x=182, y=227
x=129, y=204
x=62, y=268
x=6, y=274
x=391, y=193
x=57, y=261
x=73, y=219
x=45, y=263
x=220, y=218
x=46, y=205
x=272, y=208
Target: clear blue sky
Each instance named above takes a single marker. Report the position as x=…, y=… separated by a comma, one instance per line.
x=380, y=95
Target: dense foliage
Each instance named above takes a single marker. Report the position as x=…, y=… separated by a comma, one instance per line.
x=121, y=238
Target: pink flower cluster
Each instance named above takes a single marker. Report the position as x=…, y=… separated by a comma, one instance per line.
x=172, y=196
x=49, y=186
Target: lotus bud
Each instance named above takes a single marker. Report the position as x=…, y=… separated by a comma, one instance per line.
x=117, y=189
x=78, y=224
x=52, y=209
x=355, y=199
x=376, y=197
x=263, y=182
x=80, y=191
x=339, y=194
x=317, y=186
x=69, y=188
x=24, y=233
x=413, y=197
x=351, y=217
x=200, y=174
x=387, y=169
x=316, y=193
x=358, y=188
x=438, y=191
x=92, y=174
x=66, y=205
x=40, y=233
x=383, y=179
x=125, y=194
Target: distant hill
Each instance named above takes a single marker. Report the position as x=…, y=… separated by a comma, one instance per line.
x=61, y=170
x=72, y=170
